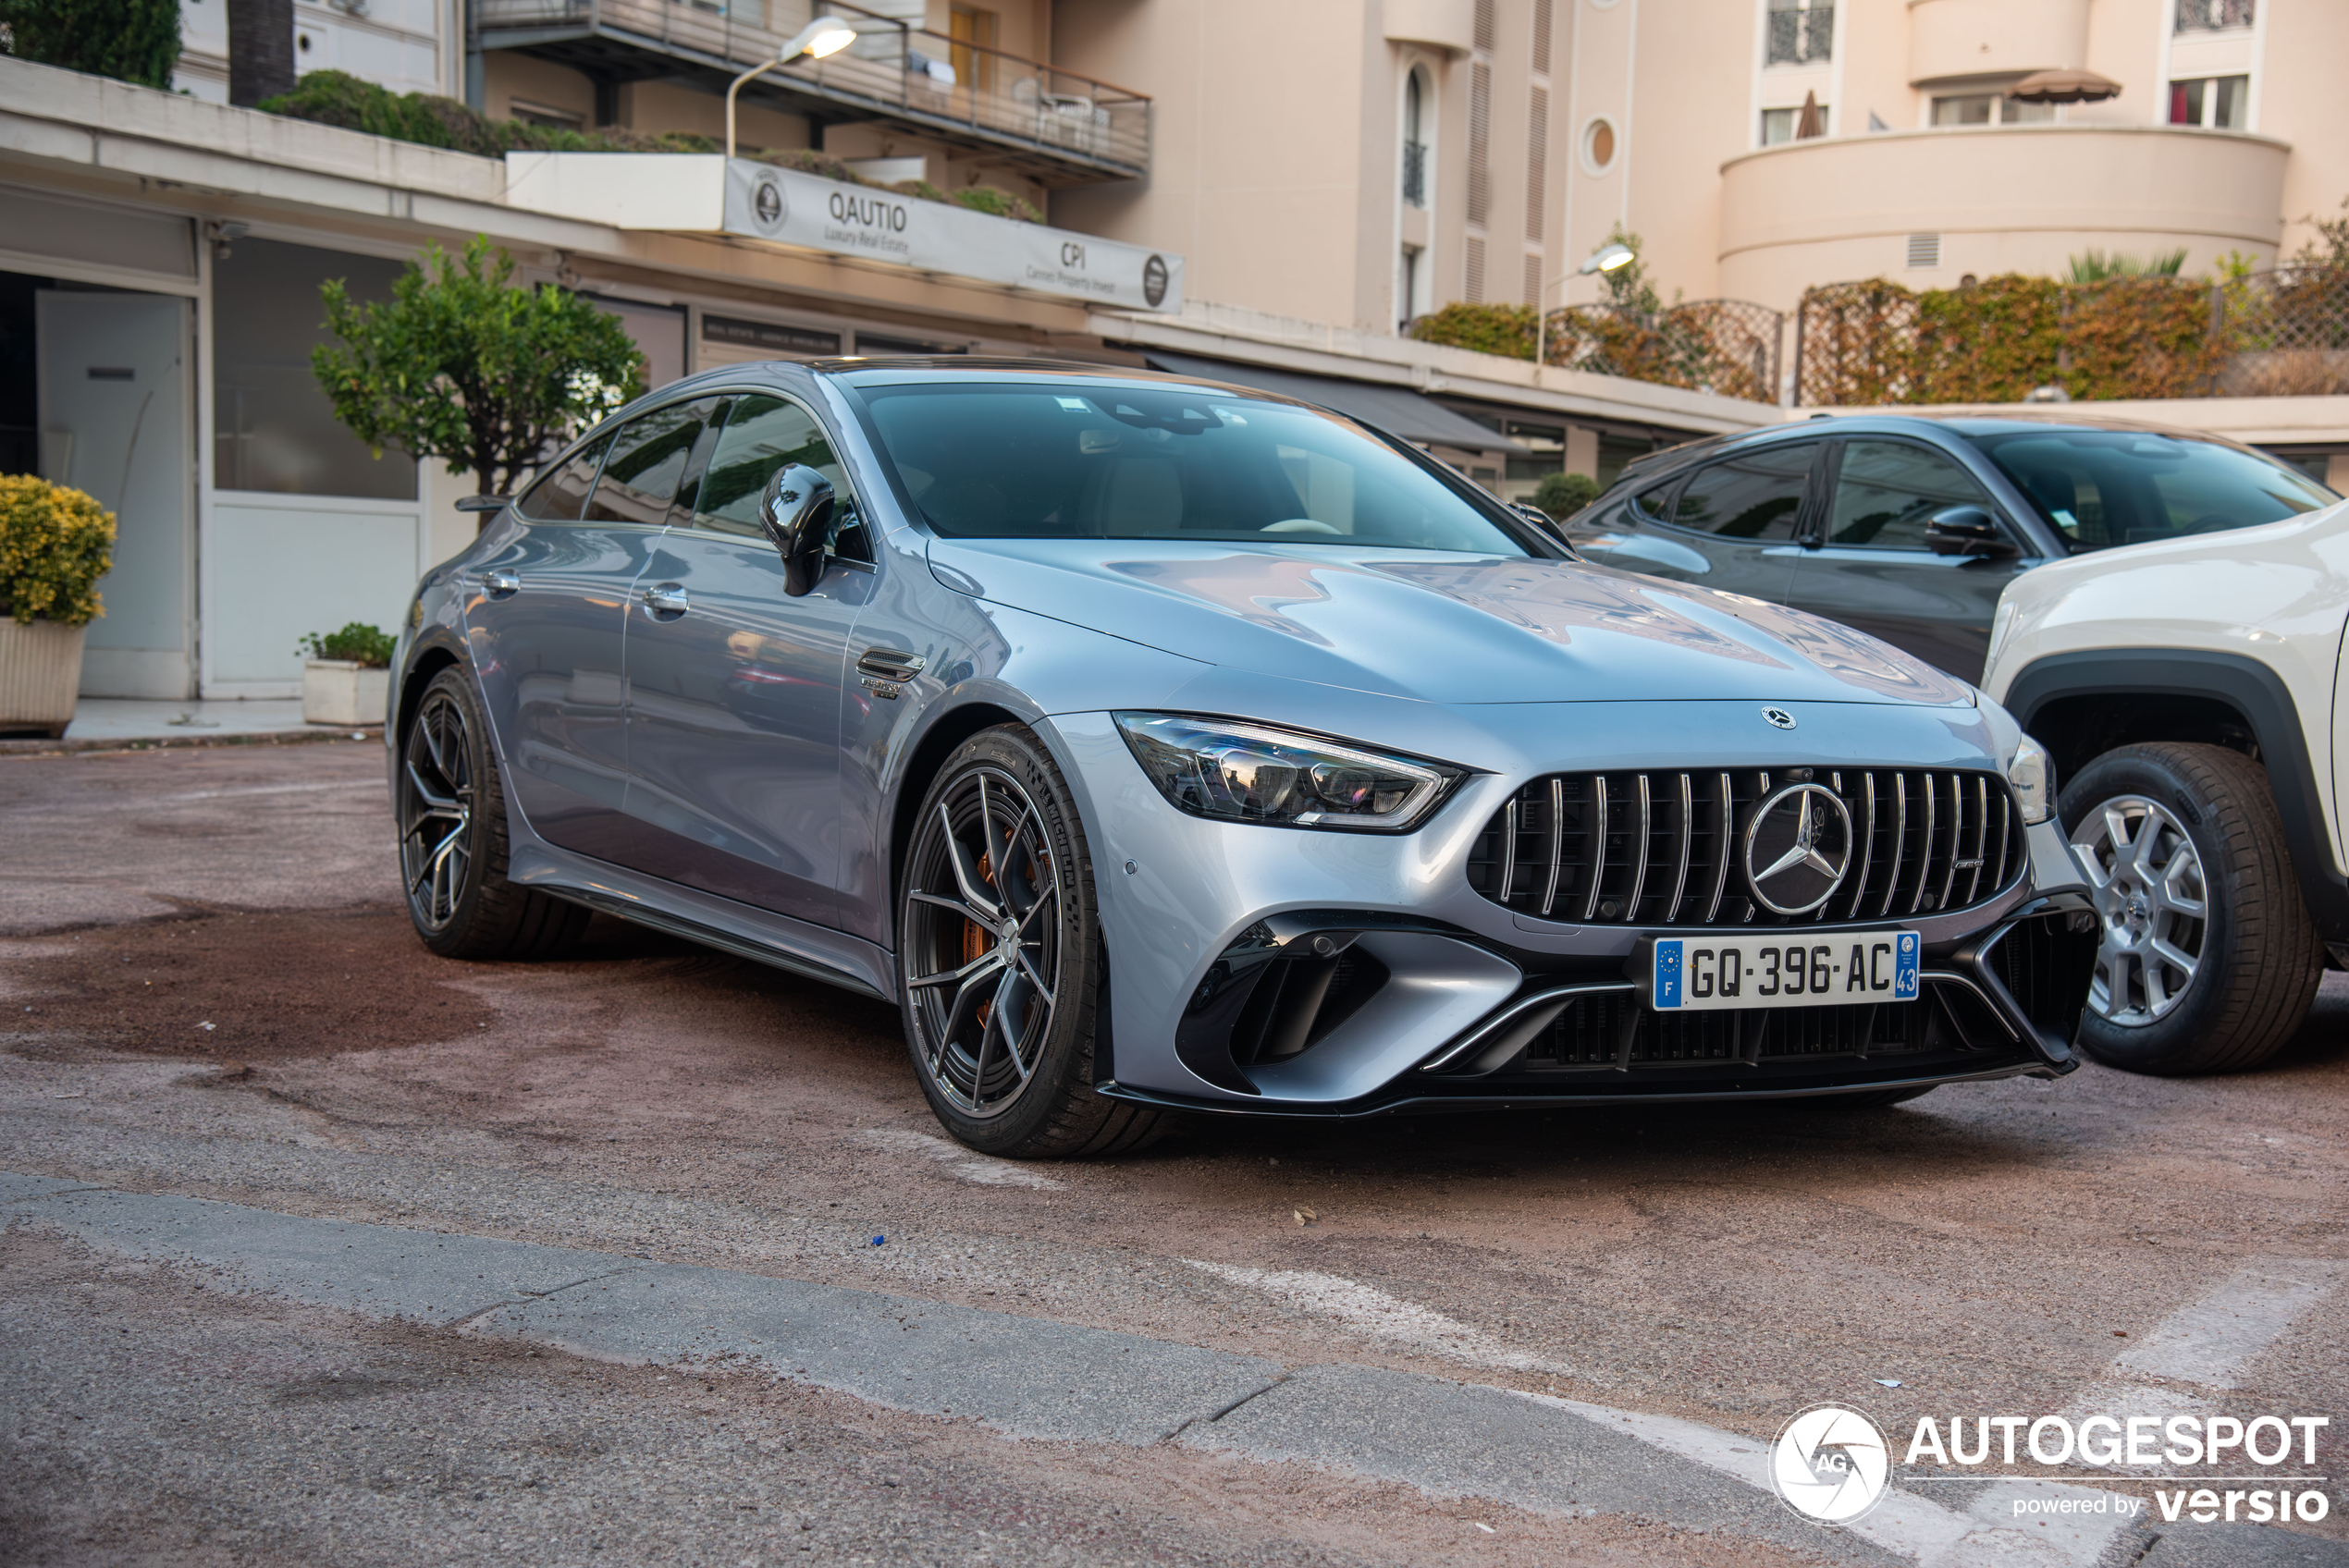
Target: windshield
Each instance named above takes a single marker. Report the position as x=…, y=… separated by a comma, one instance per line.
x=1130, y=462
x=2105, y=488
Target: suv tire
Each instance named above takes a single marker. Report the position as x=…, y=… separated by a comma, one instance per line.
x=2209, y=961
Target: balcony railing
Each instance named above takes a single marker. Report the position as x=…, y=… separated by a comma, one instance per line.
x=1055, y=126
x=1799, y=38
x=2210, y=16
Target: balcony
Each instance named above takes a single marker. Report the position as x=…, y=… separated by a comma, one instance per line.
x=1053, y=126
x=1988, y=200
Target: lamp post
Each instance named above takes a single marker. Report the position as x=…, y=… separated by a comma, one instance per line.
x=1606, y=258
x=825, y=35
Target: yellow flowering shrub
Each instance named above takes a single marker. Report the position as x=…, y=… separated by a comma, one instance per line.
x=54, y=544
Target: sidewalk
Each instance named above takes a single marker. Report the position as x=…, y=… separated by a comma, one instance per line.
x=121, y=723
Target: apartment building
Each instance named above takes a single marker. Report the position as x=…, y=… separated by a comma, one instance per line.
x=2217, y=125
x=1265, y=193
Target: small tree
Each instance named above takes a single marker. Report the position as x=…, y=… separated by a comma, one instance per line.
x=128, y=40
x=1562, y=495
x=461, y=365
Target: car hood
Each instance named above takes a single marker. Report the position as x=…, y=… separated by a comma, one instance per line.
x=1440, y=628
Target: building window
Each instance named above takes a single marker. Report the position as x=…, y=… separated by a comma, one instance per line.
x=1414, y=139
x=1989, y=108
x=1801, y=31
x=2216, y=103
x=1786, y=124
x=2210, y=16
x=974, y=33
x=1598, y=146
x=273, y=428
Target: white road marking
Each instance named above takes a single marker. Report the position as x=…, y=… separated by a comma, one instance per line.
x=1370, y=1311
x=2212, y=1341
x=970, y=1167
x=1985, y=1532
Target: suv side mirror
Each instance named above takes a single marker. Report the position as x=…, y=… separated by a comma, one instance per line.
x=484, y=503
x=796, y=513
x=1967, y=530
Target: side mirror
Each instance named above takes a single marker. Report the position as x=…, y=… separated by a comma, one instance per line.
x=1967, y=530
x=484, y=503
x=796, y=513
x=1552, y=529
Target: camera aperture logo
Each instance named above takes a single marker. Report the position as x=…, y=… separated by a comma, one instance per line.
x=1830, y=1464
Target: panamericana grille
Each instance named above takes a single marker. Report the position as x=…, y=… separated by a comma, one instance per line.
x=1662, y=848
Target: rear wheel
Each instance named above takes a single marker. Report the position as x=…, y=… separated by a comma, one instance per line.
x=2207, y=960
x=1002, y=958
x=452, y=839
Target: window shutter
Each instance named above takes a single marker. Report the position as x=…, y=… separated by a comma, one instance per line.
x=1472, y=286
x=1533, y=281
x=1537, y=163
x=1479, y=172
x=1483, y=26
x=1542, y=37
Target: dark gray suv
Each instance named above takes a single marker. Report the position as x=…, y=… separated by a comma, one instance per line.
x=1909, y=528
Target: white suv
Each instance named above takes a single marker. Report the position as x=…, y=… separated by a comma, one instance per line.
x=2191, y=694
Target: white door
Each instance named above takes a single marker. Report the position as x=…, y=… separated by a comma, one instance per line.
x=114, y=423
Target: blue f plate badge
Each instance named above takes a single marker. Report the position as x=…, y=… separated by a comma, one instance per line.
x=1783, y=969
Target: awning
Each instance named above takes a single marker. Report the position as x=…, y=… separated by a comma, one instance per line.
x=2064, y=87
x=1396, y=410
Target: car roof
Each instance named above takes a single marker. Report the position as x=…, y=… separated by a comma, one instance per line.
x=1877, y=422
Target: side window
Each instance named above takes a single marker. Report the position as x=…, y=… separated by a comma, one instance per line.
x=648, y=460
x=1755, y=495
x=765, y=432
x=560, y=493
x=1888, y=491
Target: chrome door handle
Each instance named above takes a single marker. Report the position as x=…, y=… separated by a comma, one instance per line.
x=501, y=583
x=889, y=664
x=666, y=598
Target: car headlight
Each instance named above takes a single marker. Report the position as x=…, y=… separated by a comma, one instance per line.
x=2032, y=772
x=1236, y=772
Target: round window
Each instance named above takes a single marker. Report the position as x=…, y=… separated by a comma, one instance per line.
x=1598, y=146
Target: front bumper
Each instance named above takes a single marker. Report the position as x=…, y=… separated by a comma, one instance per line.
x=1260, y=970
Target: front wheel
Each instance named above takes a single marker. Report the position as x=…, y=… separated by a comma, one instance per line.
x=2207, y=960
x=1001, y=956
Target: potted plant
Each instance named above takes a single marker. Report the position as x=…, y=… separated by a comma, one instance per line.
x=54, y=544
x=348, y=679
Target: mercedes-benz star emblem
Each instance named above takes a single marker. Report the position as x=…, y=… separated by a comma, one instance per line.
x=1797, y=848
x=1778, y=718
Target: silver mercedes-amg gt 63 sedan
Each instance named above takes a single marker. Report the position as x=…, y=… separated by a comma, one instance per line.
x=1160, y=746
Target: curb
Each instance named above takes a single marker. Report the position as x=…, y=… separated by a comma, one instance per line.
x=48, y=748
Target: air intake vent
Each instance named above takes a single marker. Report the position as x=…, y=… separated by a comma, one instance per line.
x=1665, y=848
x=1925, y=251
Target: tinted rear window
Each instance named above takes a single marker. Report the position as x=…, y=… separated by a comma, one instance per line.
x=2099, y=488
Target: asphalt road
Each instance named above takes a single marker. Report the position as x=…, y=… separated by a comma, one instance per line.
x=1541, y=1338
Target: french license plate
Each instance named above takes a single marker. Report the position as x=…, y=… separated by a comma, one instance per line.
x=1785, y=969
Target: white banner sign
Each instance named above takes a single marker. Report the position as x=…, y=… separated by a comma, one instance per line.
x=766, y=202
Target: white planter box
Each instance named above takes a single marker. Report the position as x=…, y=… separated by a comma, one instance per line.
x=40, y=673
x=339, y=691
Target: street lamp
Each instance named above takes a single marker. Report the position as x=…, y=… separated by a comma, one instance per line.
x=1606, y=258
x=825, y=35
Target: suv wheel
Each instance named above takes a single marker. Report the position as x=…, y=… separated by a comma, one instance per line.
x=2209, y=960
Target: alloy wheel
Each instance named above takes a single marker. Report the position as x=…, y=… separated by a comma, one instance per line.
x=982, y=951
x=436, y=811
x=2154, y=904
